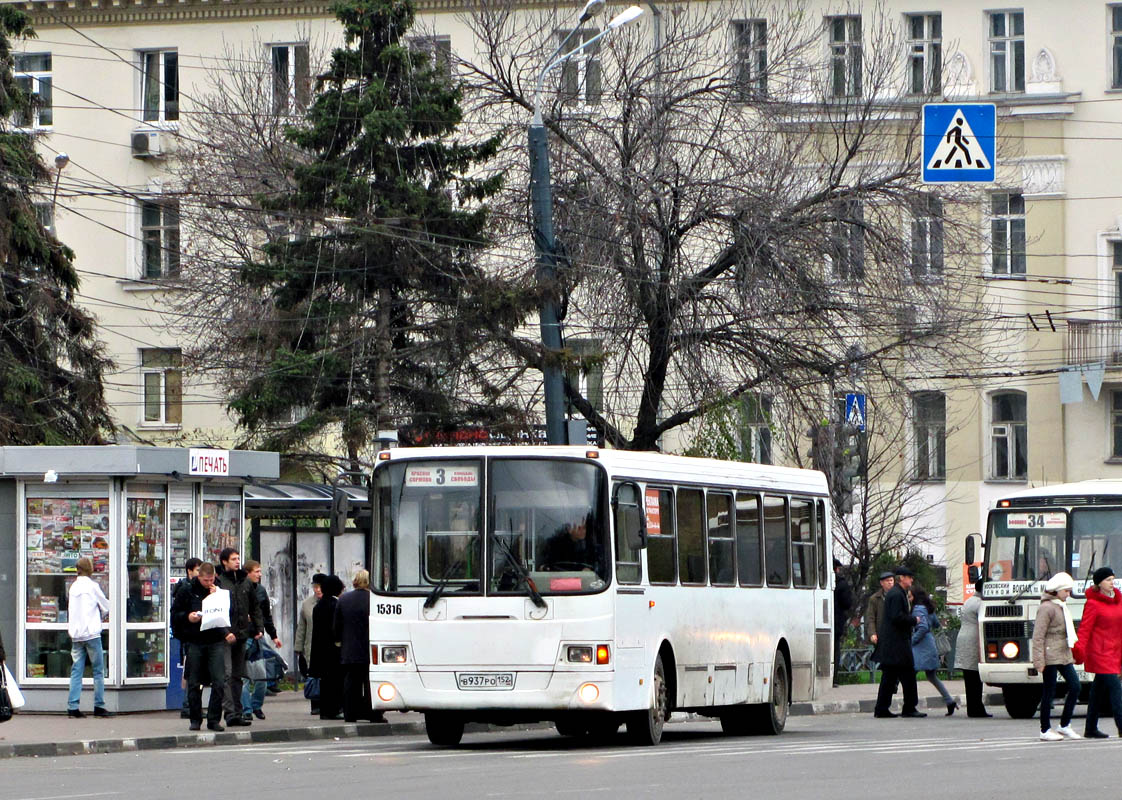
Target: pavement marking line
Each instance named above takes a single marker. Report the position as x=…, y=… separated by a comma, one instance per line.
x=73, y=796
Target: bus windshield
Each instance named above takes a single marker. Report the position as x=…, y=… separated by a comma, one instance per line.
x=1096, y=539
x=1025, y=546
x=546, y=524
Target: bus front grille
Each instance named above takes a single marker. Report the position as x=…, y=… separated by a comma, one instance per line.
x=1005, y=610
x=1008, y=630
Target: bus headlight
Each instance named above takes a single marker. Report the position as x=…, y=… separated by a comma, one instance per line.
x=394, y=654
x=589, y=693
x=579, y=655
x=386, y=692
x=1010, y=650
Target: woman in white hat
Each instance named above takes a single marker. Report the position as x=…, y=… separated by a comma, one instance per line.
x=1052, y=640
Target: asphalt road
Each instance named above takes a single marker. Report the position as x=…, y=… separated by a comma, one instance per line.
x=841, y=755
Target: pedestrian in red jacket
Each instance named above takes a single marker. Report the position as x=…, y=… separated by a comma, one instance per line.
x=1100, y=648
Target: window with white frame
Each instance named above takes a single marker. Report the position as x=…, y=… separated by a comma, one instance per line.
x=845, y=56
x=749, y=58
x=32, y=73
x=755, y=436
x=586, y=374
x=1116, y=258
x=580, y=75
x=1007, y=51
x=1009, y=436
x=439, y=51
x=927, y=239
x=1116, y=424
x=1116, y=46
x=159, y=85
x=925, y=53
x=292, y=79
x=1007, y=233
x=45, y=213
x=929, y=410
x=159, y=235
x=161, y=377
x=847, y=248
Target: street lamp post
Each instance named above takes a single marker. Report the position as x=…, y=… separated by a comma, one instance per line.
x=541, y=201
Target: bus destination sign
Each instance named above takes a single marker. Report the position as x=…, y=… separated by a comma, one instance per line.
x=441, y=475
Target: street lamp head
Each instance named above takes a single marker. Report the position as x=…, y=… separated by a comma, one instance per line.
x=591, y=9
x=61, y=160
x=629, y=14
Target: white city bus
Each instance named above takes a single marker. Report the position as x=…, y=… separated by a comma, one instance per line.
x=594, y=588
x=1030, y=535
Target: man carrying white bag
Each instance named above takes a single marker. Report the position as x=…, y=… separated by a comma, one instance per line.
x=202, y=614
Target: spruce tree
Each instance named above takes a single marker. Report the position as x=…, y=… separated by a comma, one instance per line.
x=51, y=362
x=376, y=298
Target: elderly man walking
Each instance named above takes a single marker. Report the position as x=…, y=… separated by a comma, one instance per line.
x=894, y=649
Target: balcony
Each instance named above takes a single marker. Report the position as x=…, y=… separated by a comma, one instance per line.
x=1090, y=341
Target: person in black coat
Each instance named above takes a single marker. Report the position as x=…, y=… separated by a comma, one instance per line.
x=843, y=605
x=894, y=649
x=206, y=650
x=352, y=631
x=325, y=663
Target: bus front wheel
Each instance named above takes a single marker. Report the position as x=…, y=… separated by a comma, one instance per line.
x=444, y=729
x=1021, y=701
x=645, y=727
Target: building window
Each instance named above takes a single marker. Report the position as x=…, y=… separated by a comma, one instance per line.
x=847, y=250
x=45, y=213
x=586, y=372
x=1116, y=46
x=845, y=56
x=1009, y=436
x=439, y=51
x=159, y=233
x=749, y=58
x=292, y=82
x=159, y=82
x=1007, y=233
x=1116, y=250
x=755, y=436
x=1007, y=51
x=925, y=48
x=580, y=75
x=927, y=239
x=161, y=375
x=1116, y=424
x=930, y=419
x=32, y=73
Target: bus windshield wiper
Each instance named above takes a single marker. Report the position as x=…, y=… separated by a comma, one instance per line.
x=522, y=572
x=434, y=595
x=1013, y=600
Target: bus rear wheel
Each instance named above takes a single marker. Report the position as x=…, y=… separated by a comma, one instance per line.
x=645, y=727
x=771, y=717
x=1021, y=701
x=443, y=729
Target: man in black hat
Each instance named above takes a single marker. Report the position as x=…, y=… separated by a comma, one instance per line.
x=894, y=648
x=874, y=611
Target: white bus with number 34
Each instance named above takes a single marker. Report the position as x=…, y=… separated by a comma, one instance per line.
x=596, y=588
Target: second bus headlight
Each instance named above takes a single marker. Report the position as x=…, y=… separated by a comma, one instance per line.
x=394, y=654
x=579, y=655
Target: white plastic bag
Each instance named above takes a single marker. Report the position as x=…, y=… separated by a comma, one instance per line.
x=14, y=694
x=216, y=610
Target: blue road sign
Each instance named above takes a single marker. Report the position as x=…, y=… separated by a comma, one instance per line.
x=959, y=142
x=855, y=410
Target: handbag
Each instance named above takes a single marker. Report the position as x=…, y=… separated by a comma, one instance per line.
x=942, y=644
x=5, y=701
x=311, y=689
x=14, y=694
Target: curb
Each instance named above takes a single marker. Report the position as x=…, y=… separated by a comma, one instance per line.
x=352, y=730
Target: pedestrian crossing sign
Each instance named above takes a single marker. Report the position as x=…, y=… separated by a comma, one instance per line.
x=855, y=410
x=959, y=142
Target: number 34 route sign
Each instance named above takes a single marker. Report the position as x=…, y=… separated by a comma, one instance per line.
x=959, y=142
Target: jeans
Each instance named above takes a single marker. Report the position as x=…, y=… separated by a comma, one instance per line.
x=933, y=679
x=1071, y=677
x=253, y=695
x=81, y=652
x=1103, y=688
x=206, y=663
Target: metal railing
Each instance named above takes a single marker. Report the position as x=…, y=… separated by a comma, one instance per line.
x=1090, y=341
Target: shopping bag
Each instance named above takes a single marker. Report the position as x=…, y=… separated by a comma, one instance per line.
x=311, y=689
x=14, y=694
x=5, y=700
x=256, y=661
x=216, y=610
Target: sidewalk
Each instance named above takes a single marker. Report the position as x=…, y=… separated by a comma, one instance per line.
x=288, y=720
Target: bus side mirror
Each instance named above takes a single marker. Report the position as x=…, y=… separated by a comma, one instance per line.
x=631, y=522
x=973, y=544
x=340, y=505
x=974, y=573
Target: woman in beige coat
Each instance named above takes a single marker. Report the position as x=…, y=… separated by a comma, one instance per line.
x=1052, y=640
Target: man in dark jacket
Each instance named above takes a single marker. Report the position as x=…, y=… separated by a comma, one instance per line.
x=843, y=604
x=206, y=650
x=184, y=584
x=874, y=611
x=325, y=650
x=894, y=649
x=352, y=630
x=245, y=623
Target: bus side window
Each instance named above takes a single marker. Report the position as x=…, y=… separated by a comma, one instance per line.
x=718, y=510
x=803, y=563
x=776, y=556
x=661, y=559
x=630, y=532
x=823, y=558
x=691, y=537
x=748, y=561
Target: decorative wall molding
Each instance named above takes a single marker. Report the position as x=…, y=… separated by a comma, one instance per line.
x=958, y=77
x=1041, y=176
x=1043, y=77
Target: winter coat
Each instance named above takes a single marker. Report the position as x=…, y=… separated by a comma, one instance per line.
x=304, y=628
x=1049, y=636
x=192, y=600
x=324, y=661
x=352, y=626
x=1100, y=633
x=843, y=603
x=894, y=645
x=925, y=654
x=245, y=614
x=266, y=607
x=85, y=605
x=966, y=645
x=874, y=613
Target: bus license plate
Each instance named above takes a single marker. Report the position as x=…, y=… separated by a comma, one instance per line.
x=486, y=680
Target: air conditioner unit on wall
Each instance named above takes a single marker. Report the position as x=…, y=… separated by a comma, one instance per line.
x=148, y=143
